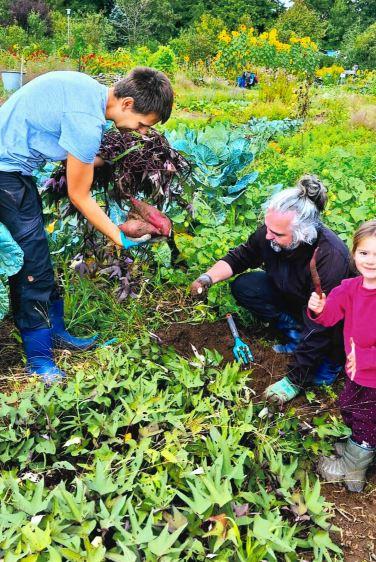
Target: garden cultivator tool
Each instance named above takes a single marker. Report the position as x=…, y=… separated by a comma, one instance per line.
x=241, y=350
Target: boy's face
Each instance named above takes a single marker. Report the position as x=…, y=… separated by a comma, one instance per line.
x=126, y=118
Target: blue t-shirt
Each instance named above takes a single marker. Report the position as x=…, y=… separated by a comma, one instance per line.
x=55, y=114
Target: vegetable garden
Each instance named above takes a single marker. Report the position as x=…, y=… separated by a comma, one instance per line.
x=159, y=447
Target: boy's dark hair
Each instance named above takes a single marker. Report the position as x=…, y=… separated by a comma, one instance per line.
x=151, y=90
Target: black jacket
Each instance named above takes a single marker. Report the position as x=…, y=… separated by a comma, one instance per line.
x=290, y=273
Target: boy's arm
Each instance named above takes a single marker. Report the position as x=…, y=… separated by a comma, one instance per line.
x=79, y=181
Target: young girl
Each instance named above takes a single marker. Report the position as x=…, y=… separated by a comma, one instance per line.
x=354, y=301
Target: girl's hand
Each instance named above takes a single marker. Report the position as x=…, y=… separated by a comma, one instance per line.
x=317, y=304
x=351, y=360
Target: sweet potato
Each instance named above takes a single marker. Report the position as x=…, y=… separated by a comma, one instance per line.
x=152, y=215
x=314, y=274
x=135, y=228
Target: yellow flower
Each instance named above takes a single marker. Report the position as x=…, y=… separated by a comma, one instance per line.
x=273, y=34
x=275, y=146
x=186, y=58
x=224, y=36
x=51, y=227
x=242, y=27
x=235, y=33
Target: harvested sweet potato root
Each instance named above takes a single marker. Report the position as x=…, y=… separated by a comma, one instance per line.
x=152, y=216
x=135, y=228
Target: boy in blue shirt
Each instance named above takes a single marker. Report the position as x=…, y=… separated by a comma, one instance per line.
x=62, y=116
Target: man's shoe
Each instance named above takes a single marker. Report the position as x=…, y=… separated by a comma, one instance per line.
x=37, y=345
x=292, y=331
x=61, y=338
x=281, y=391
x=327, y=372
x=351, y=467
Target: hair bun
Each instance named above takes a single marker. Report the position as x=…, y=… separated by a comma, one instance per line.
x=311, y=187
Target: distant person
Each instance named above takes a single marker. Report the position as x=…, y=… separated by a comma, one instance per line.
x=354, y=301
x=247, y=80
x=62, y=116
x=278, y=292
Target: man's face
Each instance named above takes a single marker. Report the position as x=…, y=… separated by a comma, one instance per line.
x=279, y=229
x=126, y=118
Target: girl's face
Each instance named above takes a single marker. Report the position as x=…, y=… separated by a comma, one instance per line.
x=365, y=259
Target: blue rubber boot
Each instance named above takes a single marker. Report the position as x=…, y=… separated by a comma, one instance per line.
x=38, y=349
x=326, y=373
x=291, y=329
x=61, y=338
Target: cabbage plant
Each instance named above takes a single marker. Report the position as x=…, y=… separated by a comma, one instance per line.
x=11, y=259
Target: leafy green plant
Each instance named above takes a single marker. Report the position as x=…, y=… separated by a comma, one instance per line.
x=149, y=456
x=11, y=260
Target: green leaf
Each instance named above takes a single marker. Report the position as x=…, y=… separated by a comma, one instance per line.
x=11, y=255
x=35, y=504
x=46, y=446
x=162, y=544
x=4, y=300
x=102, y=482
x=54, y=555
x=36, y=538
x=206, y=155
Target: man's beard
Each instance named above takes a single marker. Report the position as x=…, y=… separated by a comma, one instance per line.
x=278, y=248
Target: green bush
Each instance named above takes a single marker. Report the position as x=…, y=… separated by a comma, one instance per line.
x=164, y=59
x=361, y=49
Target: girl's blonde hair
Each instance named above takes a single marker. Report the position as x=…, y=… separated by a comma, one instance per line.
x=366, y=230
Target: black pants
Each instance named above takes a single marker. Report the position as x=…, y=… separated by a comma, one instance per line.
x=257, y=293
x=33, y=287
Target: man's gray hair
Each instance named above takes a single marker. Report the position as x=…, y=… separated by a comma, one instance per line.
x=307, y=200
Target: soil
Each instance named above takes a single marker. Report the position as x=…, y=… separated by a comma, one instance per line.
x=355, y=514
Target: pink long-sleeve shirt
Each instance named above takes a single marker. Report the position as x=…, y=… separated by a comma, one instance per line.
x=356, y=305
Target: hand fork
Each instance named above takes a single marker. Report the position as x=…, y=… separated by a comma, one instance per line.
x=241, y=350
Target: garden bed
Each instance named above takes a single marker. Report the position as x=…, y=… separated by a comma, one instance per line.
x=355, y=514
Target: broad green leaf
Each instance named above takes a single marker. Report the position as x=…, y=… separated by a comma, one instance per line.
x=11, y=255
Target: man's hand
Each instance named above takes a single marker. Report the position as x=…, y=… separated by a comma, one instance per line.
x=317, y=304
x=201, y=285
x=351, y=360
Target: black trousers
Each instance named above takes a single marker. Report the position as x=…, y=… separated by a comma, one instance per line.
x=257, y=293
x=33, y=287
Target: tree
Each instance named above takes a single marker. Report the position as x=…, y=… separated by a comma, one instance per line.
x=340, y=19
x=20, y=11
x=200, y=40
x=82, y=6
x=361, y=49
x=130, y=22
x=363, y=11
x=366, y=12
x=302, y=21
